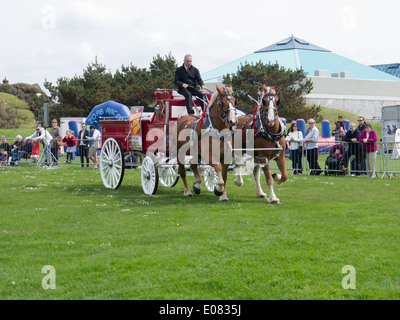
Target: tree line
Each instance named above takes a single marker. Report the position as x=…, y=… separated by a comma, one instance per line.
x=131, y=85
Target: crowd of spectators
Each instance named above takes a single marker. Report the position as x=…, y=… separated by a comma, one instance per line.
x=53, y=144
x=12, y=153
x=357, y=146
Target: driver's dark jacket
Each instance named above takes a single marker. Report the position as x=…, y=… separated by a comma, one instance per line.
x=191, y=78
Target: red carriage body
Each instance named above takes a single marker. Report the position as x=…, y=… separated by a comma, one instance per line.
x=167, y=110
x=141, y=135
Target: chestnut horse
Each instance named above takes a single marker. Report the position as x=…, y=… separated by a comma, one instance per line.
x=269, y=133
x=210, y=132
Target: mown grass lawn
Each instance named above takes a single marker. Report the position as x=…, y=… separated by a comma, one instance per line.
x=123, y=244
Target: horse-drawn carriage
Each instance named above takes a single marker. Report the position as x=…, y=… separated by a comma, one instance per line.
x=156, y=138
x=146, y=136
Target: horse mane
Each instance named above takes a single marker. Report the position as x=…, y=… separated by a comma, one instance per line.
x=215, y=95
x=213, y=98
x=210, y=103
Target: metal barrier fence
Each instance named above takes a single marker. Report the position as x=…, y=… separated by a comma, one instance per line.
x=389, y=160
x=350, y=159
x=350, y=156
x=22, y=153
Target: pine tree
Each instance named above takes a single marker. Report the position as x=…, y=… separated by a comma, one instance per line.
x=249, y=81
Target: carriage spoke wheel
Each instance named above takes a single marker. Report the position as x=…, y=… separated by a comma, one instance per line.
x=149, y=176
x=168, y=175
x=112, y=164
x=210, y=178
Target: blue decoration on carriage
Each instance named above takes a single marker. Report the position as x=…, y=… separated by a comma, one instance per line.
x=109, y=110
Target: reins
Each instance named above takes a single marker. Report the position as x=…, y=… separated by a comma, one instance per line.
x=207, y=119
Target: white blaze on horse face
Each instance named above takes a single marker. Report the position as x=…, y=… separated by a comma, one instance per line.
x=232, y=114
x=271, y=111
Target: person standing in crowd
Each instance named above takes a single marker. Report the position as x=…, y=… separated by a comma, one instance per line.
x=186, y=79
x=295, y=139
x=47, y=139
x=55, y=132
x=354, y=149
x=69, y=140
x=83, y=145
x=311, y=145
x=339, y=132
x=361, y=124
x=361, y=128
x=369, y=138
x=340, y=122
x=96, y=138
x=35, y=151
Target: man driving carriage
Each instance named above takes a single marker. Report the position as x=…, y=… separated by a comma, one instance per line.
x=186, y=79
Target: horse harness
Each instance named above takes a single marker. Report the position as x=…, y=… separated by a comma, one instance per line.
x=209, y=124
x=262, y=130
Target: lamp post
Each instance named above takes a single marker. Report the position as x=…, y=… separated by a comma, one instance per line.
x=38, y=108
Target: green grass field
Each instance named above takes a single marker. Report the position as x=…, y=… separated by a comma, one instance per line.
x=123, y=244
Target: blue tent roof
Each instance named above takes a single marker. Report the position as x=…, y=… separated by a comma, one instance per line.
x=294, y=53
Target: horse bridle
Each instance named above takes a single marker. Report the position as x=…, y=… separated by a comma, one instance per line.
x=271, y=97
x=263, y=130
x=224, y=116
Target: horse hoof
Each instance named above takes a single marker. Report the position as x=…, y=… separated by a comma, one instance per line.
x=275, y=202
x=196, y=190
x=238, y=183
x=274, y=175
x=189, y=194
x=217, y=193
x=224, y=200
x=263, y=196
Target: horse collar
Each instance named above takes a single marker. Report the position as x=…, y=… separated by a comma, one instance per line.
x=263, y=130
x=212, y=129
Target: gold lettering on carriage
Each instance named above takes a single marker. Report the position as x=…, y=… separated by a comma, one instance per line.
x=135, y=126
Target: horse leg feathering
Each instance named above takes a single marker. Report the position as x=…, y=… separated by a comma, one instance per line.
x=256, y=174
x=273, y=199
x=197, y=179
x=239, y=180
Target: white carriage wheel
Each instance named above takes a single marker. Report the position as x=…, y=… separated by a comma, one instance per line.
x=210, y=178
x=149, y=176
x=168, y=175
x=112, y=164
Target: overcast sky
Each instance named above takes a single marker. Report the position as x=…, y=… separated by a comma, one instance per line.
x=50, y=39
